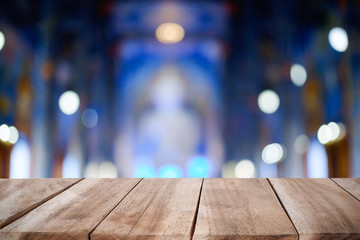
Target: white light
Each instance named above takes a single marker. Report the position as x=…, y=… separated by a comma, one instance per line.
x=14, y=135
x=228, y=169
x=4, y=133
x=2, y=40
x=298, y=75
x=272, y=153
x=245, y=169
x=268, y=101
x=69, y=102
x=107, y=170
x=324, y=134
x=89, y=118
x=335, y=130
x=338, y=39
x=170, y=33
x=92, y=170
x=301, y=144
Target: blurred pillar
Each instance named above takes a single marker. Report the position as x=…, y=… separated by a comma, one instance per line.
x=339, y=159
x=5, y=150
x=58, y=164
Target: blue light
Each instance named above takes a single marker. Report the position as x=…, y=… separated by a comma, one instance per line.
x=71, y=167
x=317, y=162
x=170, y=171
x=198, y=167
x=144, y=172
x=144, y=167
x=20, y=159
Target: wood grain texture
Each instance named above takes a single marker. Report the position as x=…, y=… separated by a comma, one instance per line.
x=351, y=185
x=319, y=208
x=19, y=196
x=234, y=209
x=155, y=209
x=73, y=214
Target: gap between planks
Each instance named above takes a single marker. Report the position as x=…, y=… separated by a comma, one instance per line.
x=344, y=189
x=282, y=205
x=25, y=211
x=193, y=225
x=144, y=210
x=89, y=235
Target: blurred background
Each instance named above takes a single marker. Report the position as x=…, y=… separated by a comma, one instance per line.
x=179, y=88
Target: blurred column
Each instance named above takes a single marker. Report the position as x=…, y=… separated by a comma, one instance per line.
x=41, y=137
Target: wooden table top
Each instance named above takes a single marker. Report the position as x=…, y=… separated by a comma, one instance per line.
x=180, y=209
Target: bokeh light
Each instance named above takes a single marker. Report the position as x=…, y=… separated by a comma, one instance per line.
x=170, y=171
x=107, y=170
x=245, y=169
x=14, y=135
x=268, y=101
x=273, y=153
x=324, y=134
x=144, y=171
x=2, y=40
x=92, y=170
x=69, y=102
x=335, y=130
x=4, y=132
x=228, y=169
x=331, y=132
x=338, y=39
x=301, y=144
x=298, y=75
x=198, y=167
x=89, y=118
x=144, y=167
x=170, y=33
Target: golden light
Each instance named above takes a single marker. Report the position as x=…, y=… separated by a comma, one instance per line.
x=170, y=33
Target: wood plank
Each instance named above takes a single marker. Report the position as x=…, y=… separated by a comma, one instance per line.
x=351, y=185
x=73, y=214
x=241, y=209
x=155, y=209
x=319, y=208
x=19, y=196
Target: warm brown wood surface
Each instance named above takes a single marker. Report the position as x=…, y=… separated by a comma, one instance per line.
x=351, y=185
x=72, y=214
x=319, y=208
x=19, y=196
x=155, y=209
x=241, y=209
x=159, y=209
